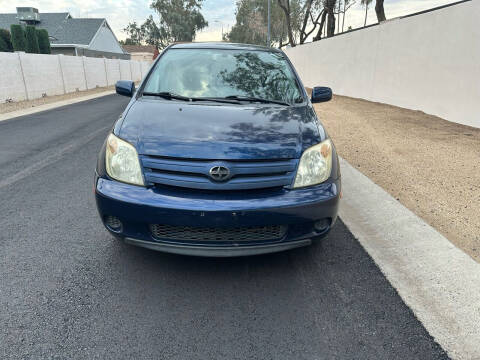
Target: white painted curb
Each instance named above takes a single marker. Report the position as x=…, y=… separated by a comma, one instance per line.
x=53, y=105
x=438, y=281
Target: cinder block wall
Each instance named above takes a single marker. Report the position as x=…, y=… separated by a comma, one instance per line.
x=113, y=71
x=428, y=62
x=12, y=85
x=73, y=74
x=31, y=76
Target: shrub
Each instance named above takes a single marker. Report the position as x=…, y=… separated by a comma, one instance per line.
x=19, y=41
x=3, y=45
x=5, y=41
x=43, y=41
x=32, y=41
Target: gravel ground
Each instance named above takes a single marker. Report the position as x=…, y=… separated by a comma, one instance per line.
x=20, y=105
x=430, y=165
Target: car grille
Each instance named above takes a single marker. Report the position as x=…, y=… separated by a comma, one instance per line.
x=194, y=174
x=208, y=234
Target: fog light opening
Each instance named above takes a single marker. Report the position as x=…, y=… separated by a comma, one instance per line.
x=322, y=225
x=113, y=223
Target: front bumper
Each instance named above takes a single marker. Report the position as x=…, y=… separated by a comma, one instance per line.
x=138, y=207
x=218, y=251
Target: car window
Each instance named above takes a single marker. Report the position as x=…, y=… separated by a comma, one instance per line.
x=221, y=73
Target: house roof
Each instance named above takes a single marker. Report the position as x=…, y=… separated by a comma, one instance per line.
x=48, y=21
x=76, y=31
x=139, y=48
x=61, y=27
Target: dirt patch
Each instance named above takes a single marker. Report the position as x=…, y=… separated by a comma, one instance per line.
x=430, y=165
x=20, y=105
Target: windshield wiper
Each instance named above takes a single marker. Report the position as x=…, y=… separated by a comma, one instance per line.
x=167, y=95
x=255, y=99
x=216, y=99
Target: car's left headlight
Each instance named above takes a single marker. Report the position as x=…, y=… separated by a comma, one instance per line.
x=315, y=165
x=121, y=161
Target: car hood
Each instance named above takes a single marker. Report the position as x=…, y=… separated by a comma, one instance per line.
x=220, y=131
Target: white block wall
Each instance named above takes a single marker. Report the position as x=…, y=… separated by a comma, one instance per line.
x=11, y=82
x=125, y=71
x=113, y=71
x=145, y=66
x=95, y=72
x=136, y=70
x=30, y=76
x=48, y=81
x=428, y=62
x=73, y=74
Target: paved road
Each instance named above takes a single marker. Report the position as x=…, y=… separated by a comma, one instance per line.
x=69, y=290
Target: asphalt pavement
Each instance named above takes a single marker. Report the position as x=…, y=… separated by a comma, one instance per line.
x=68, y=290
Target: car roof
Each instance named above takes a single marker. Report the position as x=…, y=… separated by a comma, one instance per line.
x=221, y=45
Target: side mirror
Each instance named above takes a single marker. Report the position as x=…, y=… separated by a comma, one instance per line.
x=125, y=88
x=321, y=94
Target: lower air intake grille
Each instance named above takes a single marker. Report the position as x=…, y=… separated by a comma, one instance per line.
x=240, y=234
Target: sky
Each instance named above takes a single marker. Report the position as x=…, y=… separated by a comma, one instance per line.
x=219, y=13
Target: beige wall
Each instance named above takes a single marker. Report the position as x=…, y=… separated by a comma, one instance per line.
x=428, y=62
x=32, y=76
x=141, y=56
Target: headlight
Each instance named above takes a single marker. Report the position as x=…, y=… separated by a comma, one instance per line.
x=121, y=160
x=315, y=165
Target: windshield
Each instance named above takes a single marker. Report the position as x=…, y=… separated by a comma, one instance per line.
x=217, y=73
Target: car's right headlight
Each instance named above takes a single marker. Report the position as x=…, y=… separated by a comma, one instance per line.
x=315, y=165
x=121, y=161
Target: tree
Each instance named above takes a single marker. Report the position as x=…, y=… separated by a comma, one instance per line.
x=5, y=41
x=151, y=32
x=3, y=45
x=251, y=23
x=321, y=26
x=180, y=20
x=328, y=19
x=32, y=41
x=380, y=11
x=302, y=17
x=19, y=42
x=285, y=6
x=347, y=4
x=366, y=3
x=134, y=34
x=329, y=6
x=128, y=41
x=43, y=41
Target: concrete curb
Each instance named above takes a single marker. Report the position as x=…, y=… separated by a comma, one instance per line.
x=438, y=281
x=53, y=105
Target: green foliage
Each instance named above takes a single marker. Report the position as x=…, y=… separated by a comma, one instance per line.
x=3, y=45
x=251, y=23
x=128, y=41
x=134, y=34
x=5, y=41
x=43, y=41
x=151, y=33
x=32, y=41
x=180, y=20
x=292, y=21
x=19, y=41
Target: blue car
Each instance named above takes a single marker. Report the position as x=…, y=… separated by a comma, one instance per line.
x=219, y=153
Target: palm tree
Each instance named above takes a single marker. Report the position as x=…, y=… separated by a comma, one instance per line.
x=366, y=3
